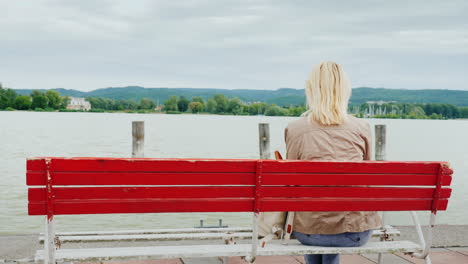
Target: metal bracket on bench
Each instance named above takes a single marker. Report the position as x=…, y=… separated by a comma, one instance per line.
x=49, y=238
x=258, y=196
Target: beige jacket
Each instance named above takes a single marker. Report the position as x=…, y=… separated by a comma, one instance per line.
x=350, y=141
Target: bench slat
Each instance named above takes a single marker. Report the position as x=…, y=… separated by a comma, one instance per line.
x=61, y=193
x=357, y=192
x=162, y=231
x=143, y=178
x=157, y=237
x=116, y=206
x=39, y=194
x=234, y=165
x=354, y=204
x=209, y=178
x=166, y=252
x=141, y=164
x=389, y=229
x=352, y=179
x=176, y=234
x=365, y=167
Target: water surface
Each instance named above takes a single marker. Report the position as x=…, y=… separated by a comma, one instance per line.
x=30, y=134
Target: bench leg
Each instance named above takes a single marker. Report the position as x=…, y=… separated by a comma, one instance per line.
x=253, y=254
x=384, y=218
x=425, y=243
x=49, y=241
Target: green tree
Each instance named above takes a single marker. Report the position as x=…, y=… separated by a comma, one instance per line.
x=274, y=110
x=296, y=111
x=171, y=104
x=235, y=106
x=54, y=99
x=221, y=103
x=211, y=106
x=417, y=111
x=65, y=101
x=464, y=112
x=183, y=104
x=39, y=100
x=198, y=99
x=95, y=103
x=195, y=107
x=128, y=104
x=7, y=97
x=146, y=103
x=257, y=108
x=98, y=103
x=23, y=102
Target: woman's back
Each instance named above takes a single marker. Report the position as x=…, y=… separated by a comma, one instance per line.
x=308, y=140
x=327, y=132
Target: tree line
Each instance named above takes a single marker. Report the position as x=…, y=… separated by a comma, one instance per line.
x=220, y=104
x=99, y=104
x=37, y=100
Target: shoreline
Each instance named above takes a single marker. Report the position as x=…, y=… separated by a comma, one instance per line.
x=209, y=114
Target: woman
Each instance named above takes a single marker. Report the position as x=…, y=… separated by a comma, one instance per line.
x=327, y=132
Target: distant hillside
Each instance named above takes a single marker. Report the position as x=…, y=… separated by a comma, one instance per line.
x=282, y=96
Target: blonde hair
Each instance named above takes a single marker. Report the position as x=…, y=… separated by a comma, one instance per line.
x=327, y=92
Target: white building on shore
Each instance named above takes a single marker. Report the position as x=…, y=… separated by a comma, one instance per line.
x=78, y=103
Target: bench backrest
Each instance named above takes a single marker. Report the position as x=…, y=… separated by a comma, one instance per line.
x=120, y=185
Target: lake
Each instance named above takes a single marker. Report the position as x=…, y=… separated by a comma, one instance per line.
x=30, y=134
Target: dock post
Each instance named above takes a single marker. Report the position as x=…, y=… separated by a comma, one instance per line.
x=380, y=142
x=138, y=136
x=380, y=138
x=264, y=140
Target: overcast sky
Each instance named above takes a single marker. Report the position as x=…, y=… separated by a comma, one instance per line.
x=238, y=44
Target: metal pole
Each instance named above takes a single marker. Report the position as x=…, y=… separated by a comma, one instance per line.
x=264, y=140
x=380, y=142
x=264, y=144
x=49, y=235
x=138, y=139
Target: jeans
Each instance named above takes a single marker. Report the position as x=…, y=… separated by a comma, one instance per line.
x=348, y=239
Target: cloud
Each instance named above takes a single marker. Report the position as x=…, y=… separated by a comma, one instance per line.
x=90, y=44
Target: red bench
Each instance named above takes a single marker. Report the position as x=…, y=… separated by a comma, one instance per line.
x=199, y=185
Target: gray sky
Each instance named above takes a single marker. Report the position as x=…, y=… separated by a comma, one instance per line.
x=232, y=44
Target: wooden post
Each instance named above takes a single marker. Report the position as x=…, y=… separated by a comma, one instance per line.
x=380, y=142
x=264, y=140
x=380, y=137
x=138, y=135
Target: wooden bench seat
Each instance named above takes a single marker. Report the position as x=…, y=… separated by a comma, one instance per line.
x=66, y=186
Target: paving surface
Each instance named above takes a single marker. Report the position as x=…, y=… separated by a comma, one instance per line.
x=450, y=246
